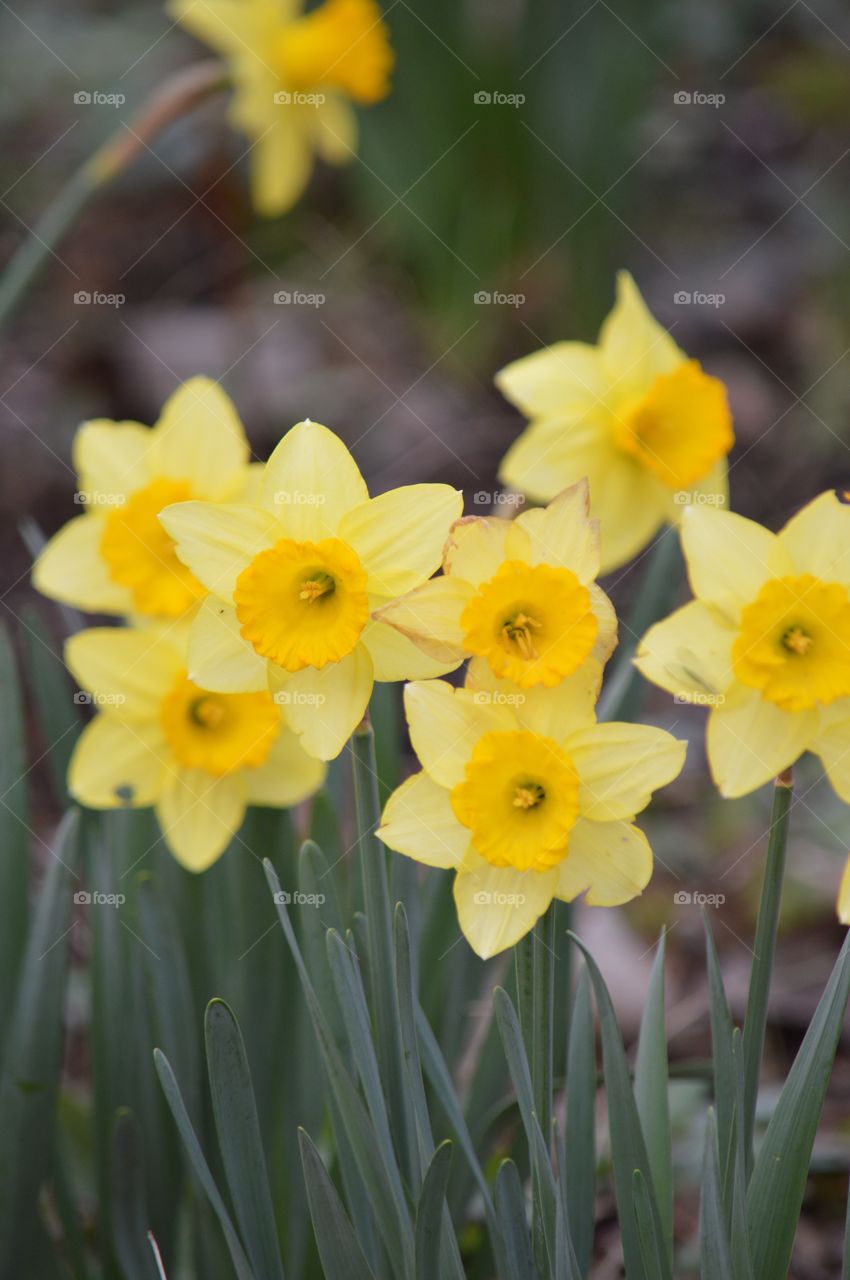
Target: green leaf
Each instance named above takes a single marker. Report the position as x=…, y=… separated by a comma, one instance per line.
x=130, y=1220
x=32, y=1052
x=238, y=1130
x=53, y=695
x=14, y=830
x=714, y=1254
x=199, y=1165
x=579, y=1162
x=429, y=1216
x=651, y=1095
x=339, y=1250
x=414, y=1084
x=516, y=1237
x=723, y=1064
x=628, y=1149
x=655, y=1262
x=779, y=1176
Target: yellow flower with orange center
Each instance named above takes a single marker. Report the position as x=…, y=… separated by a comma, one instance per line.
x=526, y=798
x=295, y=579
x=117, y=558
x=158, y=738
x=295, y=76
x=518, y=593
x=647, y=426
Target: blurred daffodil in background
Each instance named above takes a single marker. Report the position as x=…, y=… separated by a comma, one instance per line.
x=765, y=644
x=296, y=78
x=159, y=739
x=116, y=557
x=295, y=579
x=526, y=798
x=518, y=593
x=644, y=423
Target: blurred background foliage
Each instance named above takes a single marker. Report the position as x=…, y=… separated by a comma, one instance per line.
x=603, y=164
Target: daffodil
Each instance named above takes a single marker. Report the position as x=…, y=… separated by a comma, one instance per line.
x=116, y=558
x=160, y=739
x=766, y=642
x=647, y=426
x=526, y=798
x=520, y=594
x=295, y=76
x=294, y=582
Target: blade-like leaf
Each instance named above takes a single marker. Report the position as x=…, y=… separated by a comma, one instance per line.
x=339, y=1250
x=579, y=1165
x=651, y=1095
x=655, y=1263
x=724, y=1069
x=714, y=1254
x=14, y=833
x=516, y=1237
x=53, y=694
x=429, y=1217
x=779, y=1176
x=130, y=1221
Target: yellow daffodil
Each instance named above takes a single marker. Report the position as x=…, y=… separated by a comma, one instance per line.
x=526, y=798
x=295, y=579
x=647, y=426
x=766, y=642
x=295, y=77
x=116, y=557
x=518, y=593
x=160, y=739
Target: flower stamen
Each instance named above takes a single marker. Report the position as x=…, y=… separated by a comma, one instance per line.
x=796, y=641
x=529, y=795
x=517, y=631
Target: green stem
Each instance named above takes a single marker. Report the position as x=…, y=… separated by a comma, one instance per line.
x=524, y=964
x=379, y=932
x=179, y=94
x=755, y=1020
x=625, y=687
x=543, y=1006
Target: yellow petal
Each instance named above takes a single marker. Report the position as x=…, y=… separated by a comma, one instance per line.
x=751, y=741
x=843, y=904
x=818, y=538
x=219, y=659
x=111, y=459
x=281, y=164
x=603, y=610
x=311, y=480
x=288, y=775
x=399, y=536
x=325, y=707
x=126, y=670
x=730, y=557
x=336, y=130
x=620, y=765
x=217, y=540
x=563, y=534
x=689, y=654
x=199, y=815
x=226, y=25
x=496, y=906
x=430, y=616
x=712, y=491
x=553, y=713
x=116, y=763
x=832, y=744
x=200, y=438
x=550, y=381
x=611, y=860
x=634, y=346
x=71, y=569
x=446, y=723
x=397, y=657
x=477, y=545
x=418, y=821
